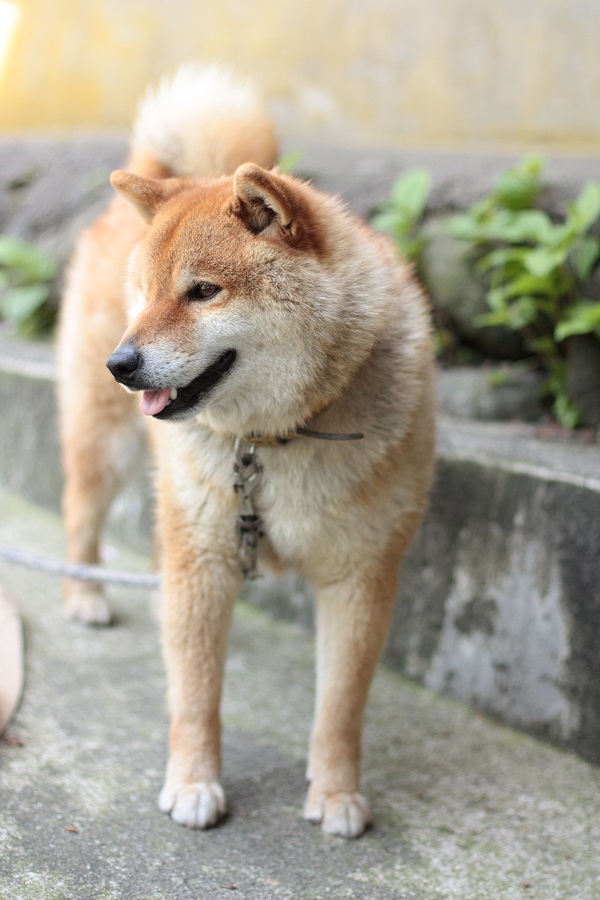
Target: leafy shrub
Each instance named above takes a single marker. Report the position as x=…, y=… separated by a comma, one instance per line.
x=401, y=216
x=536, y=269
x=26, y=275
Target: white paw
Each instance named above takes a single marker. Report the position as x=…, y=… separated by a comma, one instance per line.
x=85, y=603
x=198, y=804
x=344, y=813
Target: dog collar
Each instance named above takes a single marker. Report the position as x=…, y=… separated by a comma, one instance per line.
x=260, y=440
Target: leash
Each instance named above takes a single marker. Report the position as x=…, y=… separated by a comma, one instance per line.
x=248, y=472
x=96, y=574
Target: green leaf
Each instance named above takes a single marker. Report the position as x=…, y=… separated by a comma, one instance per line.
x=388, y=221
x=496, y=298
x=556, y=385
x=18, y=303
x=410, y=247
x=528, y=226
x=565, y=410
x=501, y=257
x=585, y=257
x=583, y=318
x=543, y=346
x=515, y=314
x=542, y=261
x=587, y=206
x=502, y=265
x=518, y=187
x=498, y=317
x=410, y=193
x=28, y=262
x=467, y=226
x=464, y=228
x=527, y=284
x=522, y=312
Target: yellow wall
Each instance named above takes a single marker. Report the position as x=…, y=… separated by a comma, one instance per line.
x=388, y=72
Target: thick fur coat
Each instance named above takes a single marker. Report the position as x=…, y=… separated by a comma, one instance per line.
x=242, y=304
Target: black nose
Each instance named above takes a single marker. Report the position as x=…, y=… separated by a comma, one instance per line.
x=124, y=362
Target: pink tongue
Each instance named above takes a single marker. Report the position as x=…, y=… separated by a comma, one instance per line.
x=154, y=402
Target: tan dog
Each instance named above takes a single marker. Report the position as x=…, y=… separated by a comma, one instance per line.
x=258, y=307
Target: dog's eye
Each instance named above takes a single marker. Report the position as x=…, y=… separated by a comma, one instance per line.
x=203, y=291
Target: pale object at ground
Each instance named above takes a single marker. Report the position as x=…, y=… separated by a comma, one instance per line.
x=11, y=658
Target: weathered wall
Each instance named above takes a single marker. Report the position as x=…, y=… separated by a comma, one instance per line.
x=387, y=72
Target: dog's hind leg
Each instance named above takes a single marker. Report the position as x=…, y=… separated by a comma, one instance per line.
x=98, y=453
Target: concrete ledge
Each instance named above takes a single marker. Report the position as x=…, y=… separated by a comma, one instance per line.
x=499, y=603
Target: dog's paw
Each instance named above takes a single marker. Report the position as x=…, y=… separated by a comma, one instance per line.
x=344, y=813
x=198, y=804
x=86, y=603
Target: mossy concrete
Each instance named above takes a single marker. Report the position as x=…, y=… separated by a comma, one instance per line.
x=464, y=808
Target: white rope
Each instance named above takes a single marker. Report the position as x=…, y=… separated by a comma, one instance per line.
x=78, y=572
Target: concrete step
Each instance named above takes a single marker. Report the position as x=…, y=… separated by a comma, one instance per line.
x=499, y=604
x=465, y=808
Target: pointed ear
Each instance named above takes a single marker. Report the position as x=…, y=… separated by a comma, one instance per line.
x=146, y=195
x=265, y=200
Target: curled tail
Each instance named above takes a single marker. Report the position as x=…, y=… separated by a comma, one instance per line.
x=202, y=122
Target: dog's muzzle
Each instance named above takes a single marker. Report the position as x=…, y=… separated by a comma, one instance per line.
x=127, y=366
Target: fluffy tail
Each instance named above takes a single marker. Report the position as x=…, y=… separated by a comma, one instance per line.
x=201, y=122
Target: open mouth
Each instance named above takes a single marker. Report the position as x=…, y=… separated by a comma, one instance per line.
x=168, y=403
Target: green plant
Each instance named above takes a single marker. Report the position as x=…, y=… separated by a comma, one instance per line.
x=26, y=274
x=401, y=215
x=536, y=269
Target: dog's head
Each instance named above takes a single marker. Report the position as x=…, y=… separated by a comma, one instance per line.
x=250, y=301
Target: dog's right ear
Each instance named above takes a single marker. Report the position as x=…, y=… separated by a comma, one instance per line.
x=146, y=195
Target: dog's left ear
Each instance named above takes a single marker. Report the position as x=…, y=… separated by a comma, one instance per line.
x=265, y=201
x=146, y=195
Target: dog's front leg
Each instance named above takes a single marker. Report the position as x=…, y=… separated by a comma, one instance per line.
x=201, y=578
x=353, y=620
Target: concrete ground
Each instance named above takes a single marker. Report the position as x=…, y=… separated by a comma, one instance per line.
x=464, y=808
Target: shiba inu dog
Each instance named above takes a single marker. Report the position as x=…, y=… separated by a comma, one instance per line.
x=277, y=344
